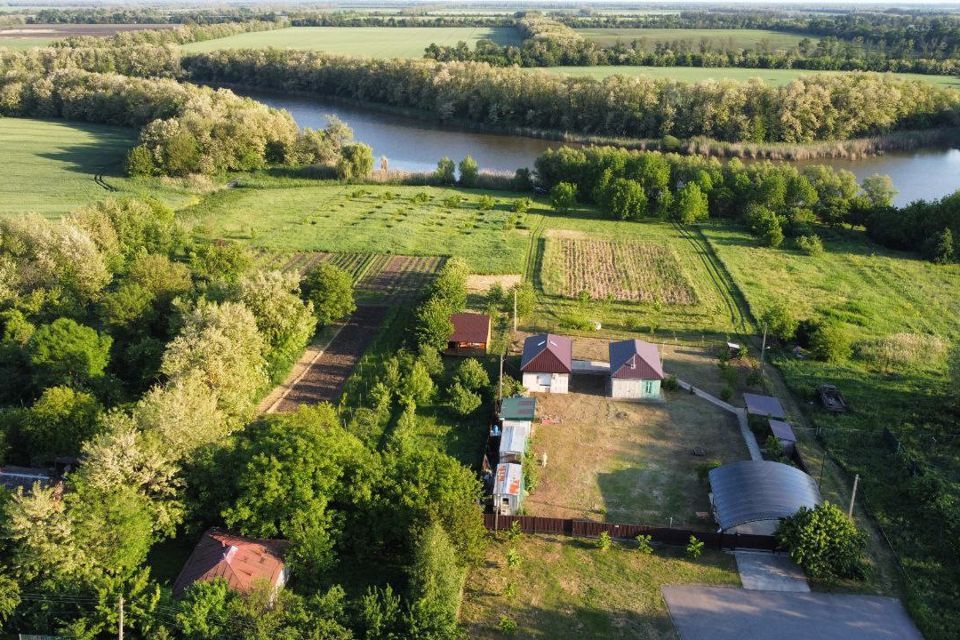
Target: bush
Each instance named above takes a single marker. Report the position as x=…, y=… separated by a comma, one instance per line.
x=563, y=196
x=521, y=205
x=694, y=548
x=670, y=383
x=704, y=469
x=486, y=203
x=811, y=245
x=356, y=162
x=330, y=289
x=765, y=225
x=824, y=541
x=471, y=375
x=604, y=541
x=644, y=544
x=514, y=559
x=469, y=170
x=446, y=172
x=830, y=342
x=521, y=180
x=726, y=393
x=507, y=626
x=140, y=162
x=463, y=402
x=780, y=321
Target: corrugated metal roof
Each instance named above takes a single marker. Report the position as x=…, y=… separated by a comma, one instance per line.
x=470, y=327
x=509, y=480
x=238, y=560
x=635, y=359
x=764, y=406
x=755, y=490
x=547, y=353
x=518, y=408
x=24, y=478
x=514, y=438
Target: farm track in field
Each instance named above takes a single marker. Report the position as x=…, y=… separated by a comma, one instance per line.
x=324, y=379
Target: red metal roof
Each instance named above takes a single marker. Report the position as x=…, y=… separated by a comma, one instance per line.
x=547, y=353
x=635, y=359
x=238, y=560
x=470, y=327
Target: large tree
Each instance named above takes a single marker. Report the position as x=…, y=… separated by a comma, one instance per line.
x=330, y=289
x=65, y=352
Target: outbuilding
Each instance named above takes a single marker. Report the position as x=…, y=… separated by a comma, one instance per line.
x=547, y=363
x=244, y=563
x=508, y=488
x=783, y=432
x=471, y=334
x=764, y=406
x=518, y=408
x=753, y=496
x=513, y=441
x=635, y=370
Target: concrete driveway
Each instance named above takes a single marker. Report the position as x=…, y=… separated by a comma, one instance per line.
x=718, y=613
x=769, y=572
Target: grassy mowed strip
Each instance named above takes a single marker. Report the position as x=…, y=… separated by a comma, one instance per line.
x=624, y=271
x=415, y=221
x=49, y=167
x=715, y=38
x=567, y=588
x=24, y=43
x=776, y=77
x=368, y=42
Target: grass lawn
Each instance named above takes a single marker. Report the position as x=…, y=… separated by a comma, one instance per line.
x=776, y=77
x=368, y=42
x=24, y=43
x=734, y=38
x=566, y=588
x=875, y=293
x=49, y=167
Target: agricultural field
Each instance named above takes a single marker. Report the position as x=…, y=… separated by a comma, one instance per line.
x=331, y=217
x=376, y=277
x=51, y=167
x=713, y=38
x=368, y=42
x=623, y=271
x=24, y=36
x=776, y=77
x=564, y=589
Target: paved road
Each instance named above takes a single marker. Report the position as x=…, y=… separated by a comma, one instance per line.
x=718, y=613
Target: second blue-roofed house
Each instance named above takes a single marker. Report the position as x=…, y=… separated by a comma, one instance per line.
x=636, y=370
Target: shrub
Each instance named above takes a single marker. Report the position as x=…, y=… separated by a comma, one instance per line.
x=694, y=548
x=486, y=203
x=691, y=204
x=830, y=342
x=626, y=199
x=330, y=288
x=471, y=375
x=726, y=393
x=704, y=469
x=514, y=559
x=811, y=245
x=644, y=544
x=521, y=205
x=521, y=180
x=670, y=383
x=765, y=225
x=604, y=541
x=515, y=532
x=140, y=162
x=563, y=196
x=356, y=162
x=469, y=170
x=824, y=541
x=446, y=172
x=507, y=626
x=463, y=402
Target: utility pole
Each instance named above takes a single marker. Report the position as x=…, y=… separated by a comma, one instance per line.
x=856, y=481
x=823, y=463
x=763, y=349
x=514, y=309
x=500, y=393
x=120, y=621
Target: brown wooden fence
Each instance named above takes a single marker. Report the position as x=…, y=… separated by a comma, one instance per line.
x=666, y=535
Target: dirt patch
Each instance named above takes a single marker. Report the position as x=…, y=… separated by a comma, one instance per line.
x=482, y=284
x=323, y=380
x=400, y=278
x=67, y=30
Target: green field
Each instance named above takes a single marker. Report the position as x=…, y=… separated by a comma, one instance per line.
x=368, y=42
x=715, y=38
x=24, y=43
x=776, y=77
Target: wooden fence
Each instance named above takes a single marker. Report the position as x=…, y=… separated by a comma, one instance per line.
x=666, y=535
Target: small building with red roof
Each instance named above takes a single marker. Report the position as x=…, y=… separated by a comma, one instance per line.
x=471, y=334
x=244, y=563
x=636, y=370
x=547, y=363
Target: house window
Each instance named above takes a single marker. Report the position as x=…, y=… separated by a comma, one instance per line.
x=648, y=387
x=543, y=379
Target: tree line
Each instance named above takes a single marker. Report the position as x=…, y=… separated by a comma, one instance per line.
x=141, y=350
x=775, y=201
x=808, y=109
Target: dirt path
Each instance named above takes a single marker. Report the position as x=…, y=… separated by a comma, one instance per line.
x=323, y=379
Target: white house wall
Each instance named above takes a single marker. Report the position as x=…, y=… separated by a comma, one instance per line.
x=634, y=389
x=546, y=382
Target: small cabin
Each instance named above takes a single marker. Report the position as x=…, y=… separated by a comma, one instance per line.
x=244, y=563
x=508, y=489
x=783, y=432
x=764, y=406
x=636, y=370
x=471, y=334
x=547, y=363
x=513, y=441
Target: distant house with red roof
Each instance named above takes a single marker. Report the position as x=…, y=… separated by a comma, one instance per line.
x=242, y=562
x=636, y=370
x=471, y=334
x=547, y=363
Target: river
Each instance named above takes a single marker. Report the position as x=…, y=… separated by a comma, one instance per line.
x=412, y=144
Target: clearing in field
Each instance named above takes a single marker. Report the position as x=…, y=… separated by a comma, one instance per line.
x=568, y=589
x=776, y=77
x=712, y=38
x=623, y=271
x=400, y=220
x=367, y=42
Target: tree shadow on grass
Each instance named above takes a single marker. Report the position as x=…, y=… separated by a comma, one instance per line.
x=105, y=157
